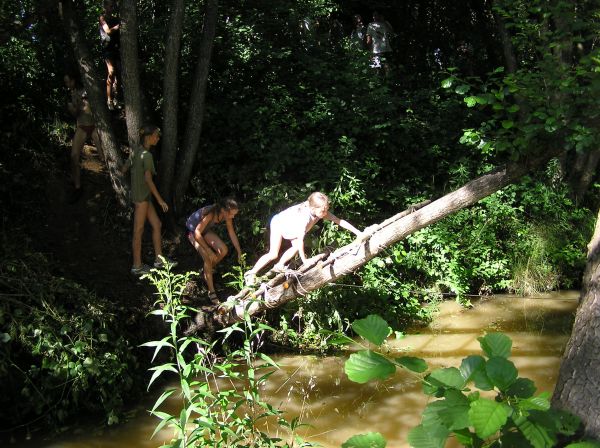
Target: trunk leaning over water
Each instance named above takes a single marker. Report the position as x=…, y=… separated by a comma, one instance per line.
x=324, y=269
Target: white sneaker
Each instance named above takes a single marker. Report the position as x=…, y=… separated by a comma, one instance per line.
x=159, y=263
x=140, y=270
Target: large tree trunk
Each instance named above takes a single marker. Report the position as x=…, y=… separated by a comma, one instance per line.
x=170, y=101
x=583, y=172
x=507, y=46
x=196, y=109
x=578, y=386
x=97, y=100
x=321, y=270
x=131, y=70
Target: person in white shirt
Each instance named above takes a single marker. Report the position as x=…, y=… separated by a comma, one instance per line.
x=379, y=36
x=293, y=224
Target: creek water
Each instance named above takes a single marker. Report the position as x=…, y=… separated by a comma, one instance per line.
x=317, y=389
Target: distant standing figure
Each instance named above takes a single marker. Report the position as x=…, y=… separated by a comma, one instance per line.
x=141, y=163
x=111, y=43
x=379, y=35
x=208, y=244
x=358, y=37
x=85, y=129
x=293, y=224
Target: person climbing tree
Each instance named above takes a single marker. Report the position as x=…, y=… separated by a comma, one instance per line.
x=110, y=37
x=85, y=129
x=292, y=224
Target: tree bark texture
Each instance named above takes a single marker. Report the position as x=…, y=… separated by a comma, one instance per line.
x=583, y=171
x=324, y=269
x=197, y=105
x=131, y=70
x=507, y=46
x=96, y=97
x=578, y=384
x=170, y=101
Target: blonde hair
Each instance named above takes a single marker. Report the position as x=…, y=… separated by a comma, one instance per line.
x=317, y=198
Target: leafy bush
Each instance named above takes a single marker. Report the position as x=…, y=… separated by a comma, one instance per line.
x=213, y=413
x=63, y=351
x=503, y=412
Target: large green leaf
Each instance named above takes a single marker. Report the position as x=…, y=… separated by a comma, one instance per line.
x=566, y=423
x=373, y=328
x=539, y=403
x=411, y=363
x=536, y=434
x=449, y=377
x=369, y=440
x=421, y=437
x=501, y=372
x=470, y=365
x=487, y=417
x=455, y=413
x=496, y=344
x=367, y=365
x=522, y=388
x=481, y=380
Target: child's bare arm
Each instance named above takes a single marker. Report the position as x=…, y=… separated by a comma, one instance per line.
x=298, y=243
x=154, y=191
x=343, y=224
x=233, y=237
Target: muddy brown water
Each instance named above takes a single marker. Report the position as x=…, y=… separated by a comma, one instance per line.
x=317, y=390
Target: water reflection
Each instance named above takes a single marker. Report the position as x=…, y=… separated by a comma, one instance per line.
x=317, y=389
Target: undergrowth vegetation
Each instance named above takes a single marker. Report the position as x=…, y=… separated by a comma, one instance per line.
x=63, y=350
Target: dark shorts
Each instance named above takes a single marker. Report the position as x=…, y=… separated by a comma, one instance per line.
x=112, y=54
x=88, y=129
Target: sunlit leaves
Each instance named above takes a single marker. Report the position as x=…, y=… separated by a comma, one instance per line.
x=417, y=365
x=501, y=372
x=366, y=365
x=496, y=344
x=369, y=440
x=487, y=416
x=373, y=328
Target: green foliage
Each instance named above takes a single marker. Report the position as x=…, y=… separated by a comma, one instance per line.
x=369, y=440
x=221, y=403
x=504, y=412
x=63, y=350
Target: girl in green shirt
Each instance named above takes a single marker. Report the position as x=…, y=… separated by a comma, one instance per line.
x=143, y=188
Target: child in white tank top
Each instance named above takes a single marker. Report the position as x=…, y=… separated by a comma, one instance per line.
x=293, y=224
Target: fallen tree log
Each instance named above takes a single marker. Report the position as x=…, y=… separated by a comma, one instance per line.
x=323, y=268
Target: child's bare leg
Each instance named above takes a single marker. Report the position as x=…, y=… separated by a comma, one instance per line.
x=76, y=147
x=110, y=79
x=156, y=229
x=220, y=249
x=139, y=219
x=207, y=268
x=274, y=246
x=287, y=256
